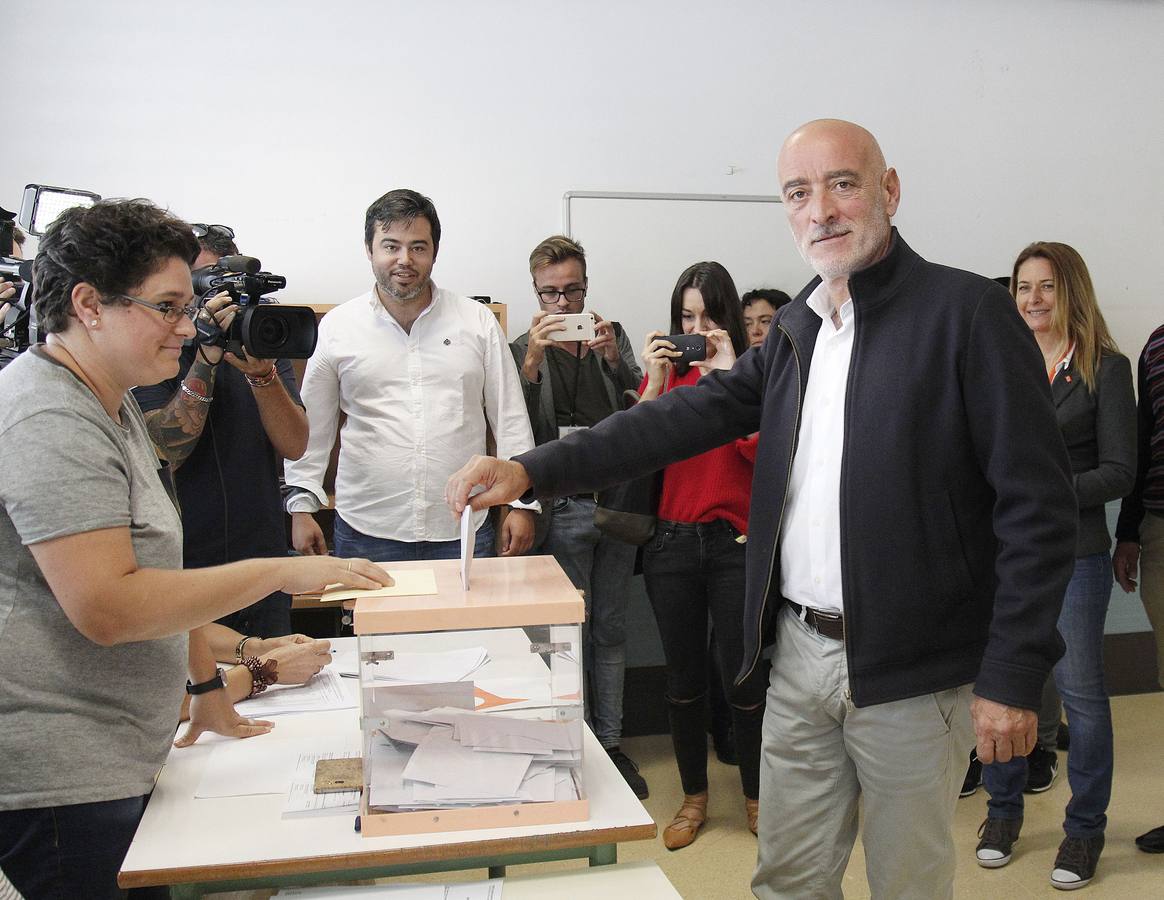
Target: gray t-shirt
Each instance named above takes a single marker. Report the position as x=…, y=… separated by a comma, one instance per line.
x=79, y=723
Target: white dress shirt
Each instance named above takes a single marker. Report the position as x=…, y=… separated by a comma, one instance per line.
x=416, y=406
x=810, y=542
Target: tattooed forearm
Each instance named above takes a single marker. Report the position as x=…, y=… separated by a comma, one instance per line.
x=177, y=426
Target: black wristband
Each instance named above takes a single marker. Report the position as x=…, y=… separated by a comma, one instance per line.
x=205, y=687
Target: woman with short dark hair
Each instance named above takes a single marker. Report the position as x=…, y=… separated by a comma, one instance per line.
x=98, y=625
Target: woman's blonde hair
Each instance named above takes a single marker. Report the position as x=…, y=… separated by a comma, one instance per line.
x=1076, y=313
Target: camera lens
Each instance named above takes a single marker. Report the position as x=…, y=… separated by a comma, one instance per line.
x=272, y=332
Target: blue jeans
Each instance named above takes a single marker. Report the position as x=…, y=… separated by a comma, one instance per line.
x=349, y=542
x=601, y=568
x=1079, y=678
x=691, y=570
x=64, y=852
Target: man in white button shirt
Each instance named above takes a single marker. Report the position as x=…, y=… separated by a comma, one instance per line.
x=419, y=372
x=911, y=534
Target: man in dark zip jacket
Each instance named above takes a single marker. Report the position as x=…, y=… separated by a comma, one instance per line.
x=912, y=528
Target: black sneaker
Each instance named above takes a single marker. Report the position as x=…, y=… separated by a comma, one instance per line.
x=1075, y=862
x=1152, y=841
x=629, y=771
x=973, y=776
x=1042, y=768
x=997, y=839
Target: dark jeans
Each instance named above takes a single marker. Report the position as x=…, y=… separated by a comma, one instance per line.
x=67, y=852
x=269, y=617
x=349, y=542
x=692, y=570
x=1079, y=677
x=600, y=567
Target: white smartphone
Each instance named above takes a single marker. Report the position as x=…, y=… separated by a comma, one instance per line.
x=578, y=327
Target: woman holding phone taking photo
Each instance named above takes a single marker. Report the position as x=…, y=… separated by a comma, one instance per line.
x=694, y=565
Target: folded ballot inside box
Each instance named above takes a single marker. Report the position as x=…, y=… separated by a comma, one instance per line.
x=471, y=702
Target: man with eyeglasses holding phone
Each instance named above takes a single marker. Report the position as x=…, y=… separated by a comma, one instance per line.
x=224, y=429
x=570, y=385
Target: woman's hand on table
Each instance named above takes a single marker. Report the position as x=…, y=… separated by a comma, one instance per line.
x=213, y=712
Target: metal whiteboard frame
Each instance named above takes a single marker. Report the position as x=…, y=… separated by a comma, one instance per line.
x=644, y=195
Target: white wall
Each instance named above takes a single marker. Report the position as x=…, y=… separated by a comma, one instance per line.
x=1007, y=121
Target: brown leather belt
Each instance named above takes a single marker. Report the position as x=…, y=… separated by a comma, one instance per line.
x=830, y=625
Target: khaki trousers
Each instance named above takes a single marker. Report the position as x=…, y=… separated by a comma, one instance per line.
x=904, y=761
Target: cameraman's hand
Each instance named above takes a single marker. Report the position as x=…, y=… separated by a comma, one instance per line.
x=311, y=574
x=7, y=292
x=220, y=310
x=298, y=663
x=249, y=365
x=306, y=535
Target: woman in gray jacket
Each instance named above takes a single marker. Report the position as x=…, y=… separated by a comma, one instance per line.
x=1091, y=384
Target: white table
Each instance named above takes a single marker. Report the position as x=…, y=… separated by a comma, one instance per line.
x=243, y=843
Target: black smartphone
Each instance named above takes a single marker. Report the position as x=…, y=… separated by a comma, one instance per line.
x=692, y=346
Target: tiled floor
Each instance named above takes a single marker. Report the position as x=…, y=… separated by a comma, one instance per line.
x=718, y=865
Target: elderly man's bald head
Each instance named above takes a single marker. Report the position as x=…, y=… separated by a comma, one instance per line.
x=850, y=134
x=839, y=197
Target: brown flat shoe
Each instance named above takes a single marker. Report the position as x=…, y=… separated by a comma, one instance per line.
x=687, y=822
x=752, y=807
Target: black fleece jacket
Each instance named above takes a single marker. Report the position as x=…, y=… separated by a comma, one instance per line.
x=958, y=514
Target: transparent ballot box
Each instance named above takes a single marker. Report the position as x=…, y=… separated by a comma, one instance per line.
x=471, y=700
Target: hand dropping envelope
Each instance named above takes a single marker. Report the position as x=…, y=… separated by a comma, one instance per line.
x=468, y=538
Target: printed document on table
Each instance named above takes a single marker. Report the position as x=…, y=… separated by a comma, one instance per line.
x=324, y=691
x=264, y=764
x=301, y=797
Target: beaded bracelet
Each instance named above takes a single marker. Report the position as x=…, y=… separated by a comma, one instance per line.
x=262, y=380
x=189, y=393
x=263, y=674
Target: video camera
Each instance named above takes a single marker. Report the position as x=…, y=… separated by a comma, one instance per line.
x=39, y=206
x=261, y=327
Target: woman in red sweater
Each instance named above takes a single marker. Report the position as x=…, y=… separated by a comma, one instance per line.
x=694, y=565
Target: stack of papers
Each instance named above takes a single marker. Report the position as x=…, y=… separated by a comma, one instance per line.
x=449, y=758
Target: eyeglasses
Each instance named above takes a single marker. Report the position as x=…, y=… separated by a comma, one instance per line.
x=549, y=296
x=171, y=313
x=201, y=230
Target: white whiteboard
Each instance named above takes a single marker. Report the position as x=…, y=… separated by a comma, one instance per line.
x=637, y=248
